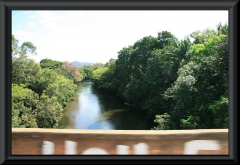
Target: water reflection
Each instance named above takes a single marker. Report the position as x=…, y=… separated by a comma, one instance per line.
x=103, y=125
x=99, y=109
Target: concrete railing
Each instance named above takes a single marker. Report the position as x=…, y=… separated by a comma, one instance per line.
x=32, y=141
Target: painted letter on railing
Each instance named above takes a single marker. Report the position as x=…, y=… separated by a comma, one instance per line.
x=47, y=148
x=190, y=148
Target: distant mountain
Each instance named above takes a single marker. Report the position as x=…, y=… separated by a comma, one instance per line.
x=77, y=63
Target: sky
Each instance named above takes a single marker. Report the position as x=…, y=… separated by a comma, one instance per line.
x=97, y=36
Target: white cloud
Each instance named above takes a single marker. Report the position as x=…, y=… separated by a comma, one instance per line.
x=97, y=36
x=24, y=34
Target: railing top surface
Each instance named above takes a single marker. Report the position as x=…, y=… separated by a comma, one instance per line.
x=119, y=134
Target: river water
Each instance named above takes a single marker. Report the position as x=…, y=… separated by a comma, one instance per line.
x=101, y=110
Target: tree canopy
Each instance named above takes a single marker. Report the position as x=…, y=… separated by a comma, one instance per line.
x=183, y=83
x=40, y=91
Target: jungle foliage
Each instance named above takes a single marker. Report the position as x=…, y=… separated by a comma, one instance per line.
x=40, y=91
x=184, y=84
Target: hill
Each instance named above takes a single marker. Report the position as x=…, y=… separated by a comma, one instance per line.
x=77, y=63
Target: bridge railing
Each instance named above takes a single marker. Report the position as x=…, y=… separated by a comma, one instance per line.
x=36, y=141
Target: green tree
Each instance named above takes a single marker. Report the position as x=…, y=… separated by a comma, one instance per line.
x=222, y=29
x=24, y=70
x=123, y=70
x=200, y=84
x=97, y=77
x=49, y=112
x=136, y=90
x=202, y=36
x=63, y=89
x=15, y=48
x=24, y=107
x=39, y=95
x=51, y=64
x=54, y=85
x=164, y=122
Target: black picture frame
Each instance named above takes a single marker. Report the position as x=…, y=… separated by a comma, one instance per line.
x=6, y=6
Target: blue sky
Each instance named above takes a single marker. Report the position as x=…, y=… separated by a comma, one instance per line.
x=97, y=36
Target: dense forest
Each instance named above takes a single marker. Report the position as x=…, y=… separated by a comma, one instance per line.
x=184, y=84
x=41, y=91
x=181, y=84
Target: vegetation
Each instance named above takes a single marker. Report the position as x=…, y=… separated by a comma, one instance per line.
x=40, y=91
x=183, y=84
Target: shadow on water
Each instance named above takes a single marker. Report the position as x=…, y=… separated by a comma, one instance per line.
x=68, y=119
x=120, y=115
x=99, y=109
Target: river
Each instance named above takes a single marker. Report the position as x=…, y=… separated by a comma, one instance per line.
x=101, y=110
